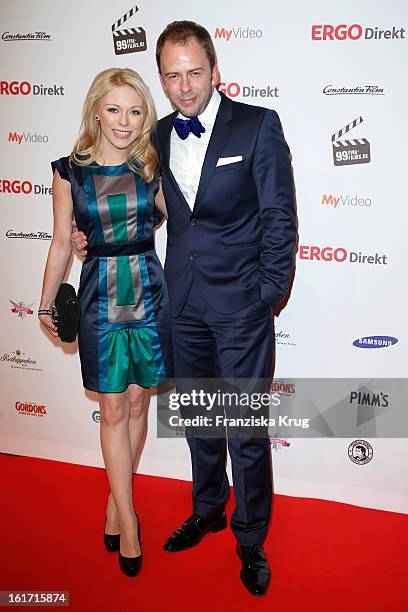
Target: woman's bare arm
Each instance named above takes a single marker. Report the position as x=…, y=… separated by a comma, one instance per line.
x=60, y=249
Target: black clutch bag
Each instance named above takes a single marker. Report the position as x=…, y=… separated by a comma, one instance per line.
x=66, y=313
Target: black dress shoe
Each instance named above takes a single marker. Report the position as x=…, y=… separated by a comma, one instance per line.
x=193, y=530
x=112, y=542
x=255, y=573
x=131, y=565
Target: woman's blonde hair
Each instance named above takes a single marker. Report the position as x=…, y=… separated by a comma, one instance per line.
x=142, y=157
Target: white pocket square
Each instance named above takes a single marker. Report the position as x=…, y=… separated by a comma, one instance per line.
x=223, y=161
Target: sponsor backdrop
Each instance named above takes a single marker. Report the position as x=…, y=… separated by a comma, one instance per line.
x=334, y=74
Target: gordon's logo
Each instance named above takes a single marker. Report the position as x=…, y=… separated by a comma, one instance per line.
x=283, y=388
x=25, y=88
x=339, y=255
x=374, y=342
x=21, y=309
x=30, y=409
x=345, y=201
x=365, y=398
x=354, y=32
x=233, y=90
x=23, y=187
x=228, y=34
x=26, y=137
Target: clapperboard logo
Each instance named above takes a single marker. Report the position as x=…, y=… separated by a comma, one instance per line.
x=348, y=152
x=130, y=40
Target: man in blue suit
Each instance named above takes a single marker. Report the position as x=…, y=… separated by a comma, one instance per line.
x=227, y=181
x=228, y=186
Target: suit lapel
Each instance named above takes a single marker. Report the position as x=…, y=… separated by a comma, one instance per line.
x=219, y=136
x=165, y=158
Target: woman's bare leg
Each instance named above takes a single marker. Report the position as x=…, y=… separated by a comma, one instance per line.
x=138, y=400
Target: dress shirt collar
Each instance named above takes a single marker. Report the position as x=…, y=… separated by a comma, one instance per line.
x=209, y=114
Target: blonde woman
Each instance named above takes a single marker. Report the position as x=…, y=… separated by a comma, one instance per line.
x=110, y=184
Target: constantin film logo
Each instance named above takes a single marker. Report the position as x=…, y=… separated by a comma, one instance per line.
x=129, y=40
x=30, y=36
x=358, y=90
x=28, y=235
x=21, y=309
x=350, y=152
x=20, y=361
x=31, y=409
x=360, y=452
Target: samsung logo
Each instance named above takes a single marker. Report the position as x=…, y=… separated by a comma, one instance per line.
x=375, y=341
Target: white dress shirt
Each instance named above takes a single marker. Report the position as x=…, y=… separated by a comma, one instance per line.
x=187, y=156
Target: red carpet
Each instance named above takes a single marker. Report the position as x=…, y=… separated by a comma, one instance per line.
x=324, y=556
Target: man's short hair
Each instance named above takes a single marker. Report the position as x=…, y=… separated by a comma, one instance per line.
x=180, y=32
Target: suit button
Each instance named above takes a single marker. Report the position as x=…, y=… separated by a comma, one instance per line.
x=194, y=221
x=192, y=256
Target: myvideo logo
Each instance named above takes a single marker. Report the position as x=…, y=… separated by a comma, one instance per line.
x=339, y=255
x=345, y=201
x=355, y=32
x=23, y=187
x=27, y=137
x=374, y=342
x=25, y=88
x=228, y=34
x=233, y=90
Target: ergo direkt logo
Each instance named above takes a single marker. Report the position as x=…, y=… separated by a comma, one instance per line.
x=339, y=255
x=354, y=32
x=25, y=88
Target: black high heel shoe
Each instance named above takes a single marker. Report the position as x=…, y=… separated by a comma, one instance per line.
x=131, y=565
x=112, y=542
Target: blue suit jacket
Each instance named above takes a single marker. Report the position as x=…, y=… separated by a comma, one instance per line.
x=238, y=242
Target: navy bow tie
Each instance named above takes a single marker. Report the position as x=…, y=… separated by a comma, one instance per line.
x=183, y=127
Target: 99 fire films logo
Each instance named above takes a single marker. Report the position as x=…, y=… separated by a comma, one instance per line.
x=130, y=40
x=349, y=152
